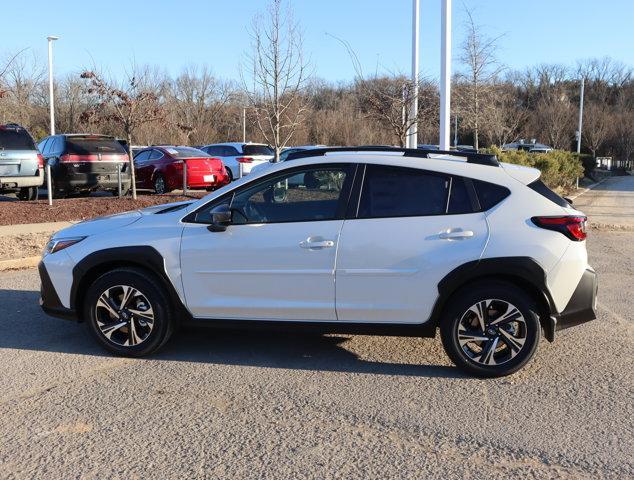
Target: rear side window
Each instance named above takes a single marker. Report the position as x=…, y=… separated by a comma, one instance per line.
x=88, y=145
x=16, y=139
x=459, y=199
x=490, y=194
x=541, y=188
x=257, y=150
x=402, y=192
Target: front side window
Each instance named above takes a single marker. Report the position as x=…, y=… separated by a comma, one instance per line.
x=402, y=192
x=310, y=194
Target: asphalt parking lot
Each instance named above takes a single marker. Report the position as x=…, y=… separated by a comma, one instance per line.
x=236, y=405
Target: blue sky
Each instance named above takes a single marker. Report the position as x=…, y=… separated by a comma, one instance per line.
x=173, y=34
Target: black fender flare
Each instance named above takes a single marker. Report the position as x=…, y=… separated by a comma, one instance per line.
x=99, y=262
x=523, y=271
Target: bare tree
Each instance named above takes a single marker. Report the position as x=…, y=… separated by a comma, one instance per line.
x=276, y=76
x=505, y=115
x=130, y=106
x=596, y=126
x=478, y=54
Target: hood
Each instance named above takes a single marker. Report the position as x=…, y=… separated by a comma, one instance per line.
x=167, y=207
x=99, y=225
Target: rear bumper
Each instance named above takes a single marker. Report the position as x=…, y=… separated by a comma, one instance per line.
x=49, y=301
x=581, y=307
x=197, y=180
x=82, y=181
x=8, y=183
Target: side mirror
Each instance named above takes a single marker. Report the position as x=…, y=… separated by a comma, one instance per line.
x=220, y=218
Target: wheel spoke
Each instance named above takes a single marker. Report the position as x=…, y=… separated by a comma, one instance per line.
x=128, y=293
x=106, y=302
x=513, y=342
x=109, y=328
x=465, y=336
x=147, y=315
x=488, y=352
x=512, y=314
x=480, y=310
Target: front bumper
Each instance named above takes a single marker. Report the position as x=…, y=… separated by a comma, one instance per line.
x=581, y=307
x=49, y=301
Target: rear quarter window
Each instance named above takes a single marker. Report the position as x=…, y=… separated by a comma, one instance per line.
x=490, y=194
x=11, y=139
x=541, y=188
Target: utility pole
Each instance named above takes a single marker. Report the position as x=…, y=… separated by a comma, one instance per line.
x=51, y=39
x=244, y=124
x=412, y=131
x=583, y=82
x=445, y=74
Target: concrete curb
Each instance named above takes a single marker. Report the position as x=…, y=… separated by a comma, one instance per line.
x=19, y=263
x=47, y=227
x=588, y=188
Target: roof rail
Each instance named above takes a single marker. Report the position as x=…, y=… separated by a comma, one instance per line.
x=477, y=158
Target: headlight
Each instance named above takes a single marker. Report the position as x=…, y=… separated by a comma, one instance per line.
x=57, y=244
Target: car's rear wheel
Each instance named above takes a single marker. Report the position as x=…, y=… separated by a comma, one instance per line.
x=127, y=312
x=229, y=174
x=491, y=330
x=28, y=193
x=160, y=185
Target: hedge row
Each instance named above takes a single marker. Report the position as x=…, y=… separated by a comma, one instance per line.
x=560, y=169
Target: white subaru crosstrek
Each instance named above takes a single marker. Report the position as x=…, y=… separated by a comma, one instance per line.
x=350, y=240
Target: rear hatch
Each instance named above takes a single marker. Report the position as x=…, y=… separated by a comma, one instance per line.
x=19, y=156
x=94, y=154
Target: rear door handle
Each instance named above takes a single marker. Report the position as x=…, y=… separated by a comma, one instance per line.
x=316, y=243
x=456, y=234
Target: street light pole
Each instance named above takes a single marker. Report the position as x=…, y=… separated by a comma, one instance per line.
x=412, y=134
x=583, y=82
x=244, y=125
x=51, y=39
x=445, y=74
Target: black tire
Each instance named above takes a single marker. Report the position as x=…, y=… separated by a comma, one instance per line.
x=229, y=174
x=152, y=295
x=160, y=184
x=28, y=193
x=517, y=330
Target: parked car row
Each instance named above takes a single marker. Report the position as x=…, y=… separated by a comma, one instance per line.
x=81, y=163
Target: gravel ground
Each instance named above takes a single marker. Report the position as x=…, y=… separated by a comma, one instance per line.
x=236, y=405
x=23, y=245
x=14, y=212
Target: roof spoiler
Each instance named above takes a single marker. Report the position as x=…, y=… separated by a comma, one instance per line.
x=477, y=158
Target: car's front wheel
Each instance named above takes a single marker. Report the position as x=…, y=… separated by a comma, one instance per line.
x=127, y=312
x=160, y=184
x=491, y=330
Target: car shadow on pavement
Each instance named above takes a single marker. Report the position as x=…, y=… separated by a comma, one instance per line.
x=24, y=326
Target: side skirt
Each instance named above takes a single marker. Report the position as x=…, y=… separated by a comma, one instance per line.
x=383, y=329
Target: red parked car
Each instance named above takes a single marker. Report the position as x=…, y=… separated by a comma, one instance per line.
x=161, y=169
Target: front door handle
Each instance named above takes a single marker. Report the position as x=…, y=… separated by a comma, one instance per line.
x=455, y=234
x=316, y=243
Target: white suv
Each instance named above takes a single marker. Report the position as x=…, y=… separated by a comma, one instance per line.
x=240, y=158
x=351, y=240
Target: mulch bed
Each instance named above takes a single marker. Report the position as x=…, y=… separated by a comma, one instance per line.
x=13, y=212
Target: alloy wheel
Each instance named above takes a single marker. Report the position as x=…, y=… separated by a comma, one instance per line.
x=492, y=332
x=124, y=315
x=159, y=185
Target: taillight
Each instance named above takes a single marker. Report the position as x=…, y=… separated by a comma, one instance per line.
x=244, y=159
x=40, y=160
x=573, y=227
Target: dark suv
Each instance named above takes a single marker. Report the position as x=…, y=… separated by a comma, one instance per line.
x=21, y=165
x=81, y=163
